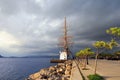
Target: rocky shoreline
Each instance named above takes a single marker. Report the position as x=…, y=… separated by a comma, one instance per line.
x=61, y=71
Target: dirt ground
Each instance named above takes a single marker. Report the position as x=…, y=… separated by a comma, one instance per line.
x=107, y=68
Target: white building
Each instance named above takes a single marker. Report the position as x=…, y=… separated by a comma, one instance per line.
x=63, y=55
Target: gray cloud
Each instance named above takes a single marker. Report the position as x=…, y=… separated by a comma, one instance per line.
x=38, y=24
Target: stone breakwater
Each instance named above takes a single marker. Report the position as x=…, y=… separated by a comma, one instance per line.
x=61, y=71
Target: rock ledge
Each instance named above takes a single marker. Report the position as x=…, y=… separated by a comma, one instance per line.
x=61, y=71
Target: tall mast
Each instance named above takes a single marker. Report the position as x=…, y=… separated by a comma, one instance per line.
x=65, y=37
x=65, y=40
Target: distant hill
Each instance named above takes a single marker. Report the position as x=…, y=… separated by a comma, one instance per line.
x=40, y=57
x=43, y=56
x=1, y=56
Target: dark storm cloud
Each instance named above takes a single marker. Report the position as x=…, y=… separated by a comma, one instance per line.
x=38, y=24
x=13, y=7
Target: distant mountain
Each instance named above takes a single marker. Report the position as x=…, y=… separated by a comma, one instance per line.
x=1, y=56
x=43, y=56
x=40, y=56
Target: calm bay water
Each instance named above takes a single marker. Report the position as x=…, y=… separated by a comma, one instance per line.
x=20, y=68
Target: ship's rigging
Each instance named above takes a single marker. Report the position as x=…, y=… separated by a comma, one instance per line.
x=65, y=44
x=65, y=41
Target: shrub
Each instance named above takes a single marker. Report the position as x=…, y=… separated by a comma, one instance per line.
x=95, y=77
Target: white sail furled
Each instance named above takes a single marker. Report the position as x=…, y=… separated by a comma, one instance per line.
x=63, y=55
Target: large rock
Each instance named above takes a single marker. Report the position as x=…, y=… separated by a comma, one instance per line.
x=61, y=71
x=52, y=68
x=50, y=78
x=64, y=78
x=67, y=72
x=35, y=76
x=38, y=79
x=68, y=67
x=44, y=71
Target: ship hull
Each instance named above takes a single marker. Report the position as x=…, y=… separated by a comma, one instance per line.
x=57, y=61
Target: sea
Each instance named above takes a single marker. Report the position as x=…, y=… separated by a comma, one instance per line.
x=21, y=68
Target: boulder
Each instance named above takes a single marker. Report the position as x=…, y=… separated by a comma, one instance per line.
x=44, y=71
x=68, y=67
x=50, y=78
x=35, y=75
x=67, y=72
x=52, y=68
x=65, y=78
x=61, y=71
x=38, y=79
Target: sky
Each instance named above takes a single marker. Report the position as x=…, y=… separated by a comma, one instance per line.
x=33, y=27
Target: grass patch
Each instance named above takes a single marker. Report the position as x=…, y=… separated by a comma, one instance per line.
x=95, y=77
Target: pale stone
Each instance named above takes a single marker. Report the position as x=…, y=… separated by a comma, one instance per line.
x=52, y=68
x=61, y=71
x=67, y=72
x=35, y=75
x=68, y=67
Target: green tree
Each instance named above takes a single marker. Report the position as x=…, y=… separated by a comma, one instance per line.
x=98, y=45
x=87, y=52
x=79, y=56
x=84, y=54
x=101, y=46
x=115, y=32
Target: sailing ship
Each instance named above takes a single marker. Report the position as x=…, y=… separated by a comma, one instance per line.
x=64, y=45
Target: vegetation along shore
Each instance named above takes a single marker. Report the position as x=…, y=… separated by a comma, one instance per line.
x=87, y=63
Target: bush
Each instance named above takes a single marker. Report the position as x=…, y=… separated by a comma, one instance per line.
x=95, y=77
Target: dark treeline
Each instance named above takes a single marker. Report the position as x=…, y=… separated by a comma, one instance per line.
x=108, y=56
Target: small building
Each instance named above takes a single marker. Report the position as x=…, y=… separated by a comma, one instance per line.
x=63, y=55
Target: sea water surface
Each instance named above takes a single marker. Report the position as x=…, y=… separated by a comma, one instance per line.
x=21, y=68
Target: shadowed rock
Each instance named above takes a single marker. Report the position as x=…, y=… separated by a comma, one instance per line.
x=61, y=71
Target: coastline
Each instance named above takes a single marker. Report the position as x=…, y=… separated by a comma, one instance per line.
x=61, y=71
x=70, y=71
